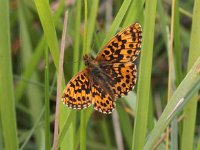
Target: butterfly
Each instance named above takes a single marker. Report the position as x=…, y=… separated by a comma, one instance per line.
x=107, y=77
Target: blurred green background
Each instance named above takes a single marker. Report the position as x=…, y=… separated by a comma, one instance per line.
x=166, y=91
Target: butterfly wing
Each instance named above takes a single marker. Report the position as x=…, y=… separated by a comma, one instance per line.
x=77, y=93
x=123, y=47
x=117, y=57
x=101, y=100
x=121, y=76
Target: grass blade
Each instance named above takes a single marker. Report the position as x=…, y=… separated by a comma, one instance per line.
x=187, y=141
x=33, y=62
x=188, y=87
x=143, y=93
x=59, y=82
x=47, y=106
x=117, y=21
x=83, y=124
x=47, y=21
x=7, y=102
x=134, y=14
x=76, y=50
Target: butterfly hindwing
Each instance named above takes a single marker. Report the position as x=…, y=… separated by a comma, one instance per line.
x=77, y=93
x=101, y=100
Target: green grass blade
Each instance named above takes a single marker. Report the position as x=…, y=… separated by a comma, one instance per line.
x=47, y=21
x=117, y=21
x=134, y=13
x=177, y=48
x=151, y=109
x=83, y=124
x=92, y=22
x=33, y=62
x=125, y=125
x=88, y=31
x=185, y=12
x=163, y=22
x=85, y=38
x=76, y=50
x=47, y=106
x=106, y=135
x=66, y=125
x=188, y=87
x=143, y=93
x=198, y=145
x=7, y=104
x=187, y=141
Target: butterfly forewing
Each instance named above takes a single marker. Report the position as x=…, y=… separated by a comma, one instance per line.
x=123, y=47
x=122, y=77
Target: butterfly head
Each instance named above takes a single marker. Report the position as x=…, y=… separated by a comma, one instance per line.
x=88, y=60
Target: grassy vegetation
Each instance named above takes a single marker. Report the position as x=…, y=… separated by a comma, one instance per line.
x=30, y=39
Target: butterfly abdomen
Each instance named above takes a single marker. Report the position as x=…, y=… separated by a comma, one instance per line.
x=98, y=77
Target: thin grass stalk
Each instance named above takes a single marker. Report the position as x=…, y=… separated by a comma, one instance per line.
x=117, y=131
x=59, y=82
x=186, y=13
x=76, y=51
x=70, y=143
x=47, y=106
x=174, y=129
x=37, y=122
x=177, y=47
x=33, y=129
x=83, y=112
x=177, y=70
x=91, y=23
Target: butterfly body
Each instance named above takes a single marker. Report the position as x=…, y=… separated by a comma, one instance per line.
x=109, y=76
x=97, y=75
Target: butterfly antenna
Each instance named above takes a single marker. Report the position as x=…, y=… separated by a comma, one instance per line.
x=94, y=40
x=72, y=62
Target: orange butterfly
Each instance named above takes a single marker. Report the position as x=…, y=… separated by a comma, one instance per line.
x=109, y=76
